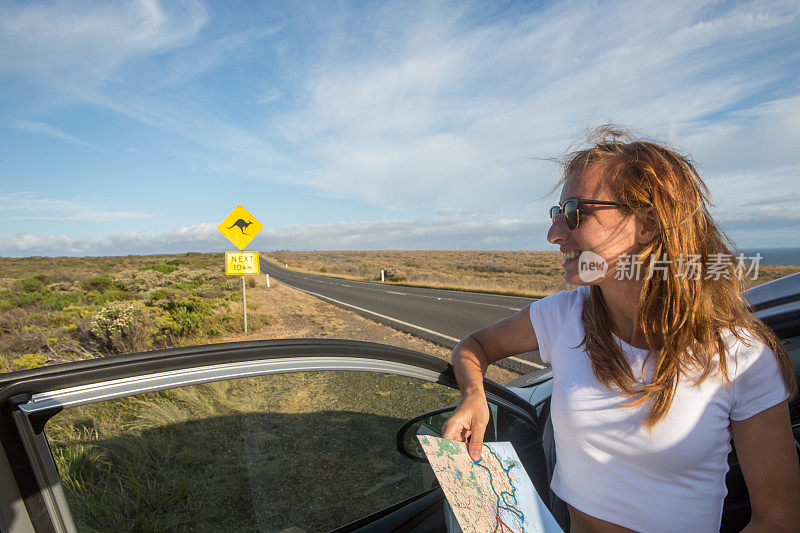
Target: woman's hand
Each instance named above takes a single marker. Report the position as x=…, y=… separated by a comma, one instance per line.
x=470, y=358
x=469, y=420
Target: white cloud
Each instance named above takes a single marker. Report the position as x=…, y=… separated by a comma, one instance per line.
x=451, y=231
x=432, y=105
x=32, y=206
x=46, y=129
x=447, y=232
x=91, y=38
x=770, y=202
x=447, y=111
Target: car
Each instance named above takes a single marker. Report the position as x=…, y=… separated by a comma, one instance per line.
x=285, y=435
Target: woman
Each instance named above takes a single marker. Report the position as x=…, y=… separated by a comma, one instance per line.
x=655, y=367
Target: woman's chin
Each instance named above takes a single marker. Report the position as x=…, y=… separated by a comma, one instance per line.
x=571, y=277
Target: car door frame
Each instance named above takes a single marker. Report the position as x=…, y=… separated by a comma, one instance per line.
x=29, y=398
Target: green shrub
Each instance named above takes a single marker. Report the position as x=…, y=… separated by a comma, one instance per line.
x=28, y=361
x=182, y=317
x=190, y=285
x=113, y=295
x=48, y=300
x=188, y=321
x=61, y=300
x=33, y=284
x=99, y=283
x=162, y=267
x=160, y=294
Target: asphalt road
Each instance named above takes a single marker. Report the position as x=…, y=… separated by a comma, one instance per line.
x=440, y=316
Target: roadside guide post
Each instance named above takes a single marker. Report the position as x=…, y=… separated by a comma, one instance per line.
x=240, y=227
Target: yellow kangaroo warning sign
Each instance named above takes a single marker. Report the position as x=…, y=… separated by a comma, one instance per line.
x=238, y=263
x=240, y=227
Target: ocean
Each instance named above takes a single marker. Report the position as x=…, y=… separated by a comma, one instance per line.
x=775, y=256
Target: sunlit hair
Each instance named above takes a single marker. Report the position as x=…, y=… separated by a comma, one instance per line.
x=684, y=320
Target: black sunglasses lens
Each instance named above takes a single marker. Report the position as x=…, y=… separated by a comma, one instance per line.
x=571, y=214
x=555, y=212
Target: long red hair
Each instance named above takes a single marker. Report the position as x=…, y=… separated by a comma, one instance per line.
x=683, y=319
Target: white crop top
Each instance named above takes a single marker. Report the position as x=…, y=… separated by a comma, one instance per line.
x=606, y=463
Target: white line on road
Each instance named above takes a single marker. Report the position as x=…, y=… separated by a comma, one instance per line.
x=398, y=321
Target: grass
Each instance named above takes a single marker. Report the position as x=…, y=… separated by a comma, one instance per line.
x=311, y=450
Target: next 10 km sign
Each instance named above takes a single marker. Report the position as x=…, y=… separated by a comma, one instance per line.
x=239, y=263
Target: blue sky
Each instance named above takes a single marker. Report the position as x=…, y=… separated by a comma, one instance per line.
x=135, y=127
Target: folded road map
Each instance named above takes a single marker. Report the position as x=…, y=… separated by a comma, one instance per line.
x=493, y=494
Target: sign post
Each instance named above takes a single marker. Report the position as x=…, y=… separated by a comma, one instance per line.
x=244, y=306
x=240, y=227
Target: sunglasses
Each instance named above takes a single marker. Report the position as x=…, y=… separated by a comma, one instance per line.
x=572, y=210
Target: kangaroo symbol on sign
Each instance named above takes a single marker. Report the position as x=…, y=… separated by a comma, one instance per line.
x=241, y=224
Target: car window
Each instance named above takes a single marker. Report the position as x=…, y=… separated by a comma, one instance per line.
x=307, y=450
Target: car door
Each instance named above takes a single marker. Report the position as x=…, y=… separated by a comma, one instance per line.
x=289, y=435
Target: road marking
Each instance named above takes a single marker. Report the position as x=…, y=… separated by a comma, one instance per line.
x=398, y=321
x=537, y=366
x=395, y=292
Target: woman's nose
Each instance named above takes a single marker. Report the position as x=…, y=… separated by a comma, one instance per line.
x=557, y=234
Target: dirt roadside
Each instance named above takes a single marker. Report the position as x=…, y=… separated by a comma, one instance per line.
x=293, y=314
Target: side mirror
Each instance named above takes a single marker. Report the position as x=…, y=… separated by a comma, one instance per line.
x=427, y=424
x=431, y=424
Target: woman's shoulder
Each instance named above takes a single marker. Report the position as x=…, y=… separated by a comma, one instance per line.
x=742, y=341
x=551, y=311
x=564, y=299
x=758, y=381
x=744, y=349
x=552, y=314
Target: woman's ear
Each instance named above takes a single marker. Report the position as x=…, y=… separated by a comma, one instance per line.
x=647, y=227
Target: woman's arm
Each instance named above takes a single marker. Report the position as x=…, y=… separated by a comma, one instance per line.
x=471, y=357
x=768, y=458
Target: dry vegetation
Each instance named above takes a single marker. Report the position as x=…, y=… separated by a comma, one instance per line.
x=518, y=273
x=62, y=309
